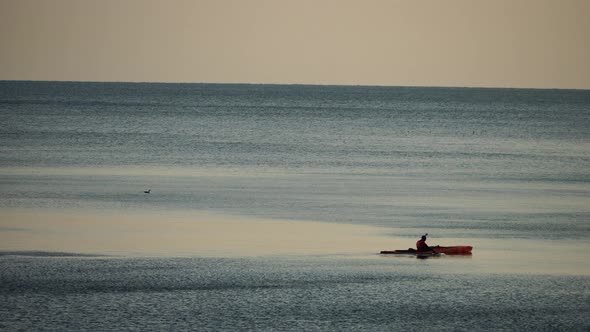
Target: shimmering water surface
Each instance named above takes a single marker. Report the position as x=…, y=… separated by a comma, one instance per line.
x=269, y=204
x=313, y=293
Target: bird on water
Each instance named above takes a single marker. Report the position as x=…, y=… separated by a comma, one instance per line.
x=147, y=191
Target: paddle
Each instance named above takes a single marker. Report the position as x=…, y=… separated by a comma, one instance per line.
x=431, y=248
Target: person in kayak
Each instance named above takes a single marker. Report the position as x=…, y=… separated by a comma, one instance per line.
x=421, y=244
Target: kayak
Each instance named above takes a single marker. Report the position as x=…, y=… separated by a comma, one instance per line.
x=413, y=252
x=452, y=250
x=407, y=252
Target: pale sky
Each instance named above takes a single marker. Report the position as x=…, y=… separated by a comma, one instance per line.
x=495, y=43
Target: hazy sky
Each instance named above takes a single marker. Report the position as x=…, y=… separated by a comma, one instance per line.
x=503, y=43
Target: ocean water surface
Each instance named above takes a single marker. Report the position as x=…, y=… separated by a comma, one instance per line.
x=269, y=204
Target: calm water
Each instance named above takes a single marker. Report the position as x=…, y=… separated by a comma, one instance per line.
x=503, y=169
x=307, y=294
x=501, y=162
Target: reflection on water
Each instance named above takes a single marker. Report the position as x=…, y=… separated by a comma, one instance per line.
x=191, y=234
x=214, y=235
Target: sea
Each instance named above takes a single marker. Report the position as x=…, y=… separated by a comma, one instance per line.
x=248, y=207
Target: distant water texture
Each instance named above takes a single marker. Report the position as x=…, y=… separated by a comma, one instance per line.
x=463, y=162
x=269, y=204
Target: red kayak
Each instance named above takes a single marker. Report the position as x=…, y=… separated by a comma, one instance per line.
x=452, y=250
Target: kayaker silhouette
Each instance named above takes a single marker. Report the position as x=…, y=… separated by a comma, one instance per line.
x=421, y=244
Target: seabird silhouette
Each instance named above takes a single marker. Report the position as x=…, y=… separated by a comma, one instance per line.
x=147, y=191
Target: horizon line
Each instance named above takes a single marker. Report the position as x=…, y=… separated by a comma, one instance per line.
x=304, y=84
